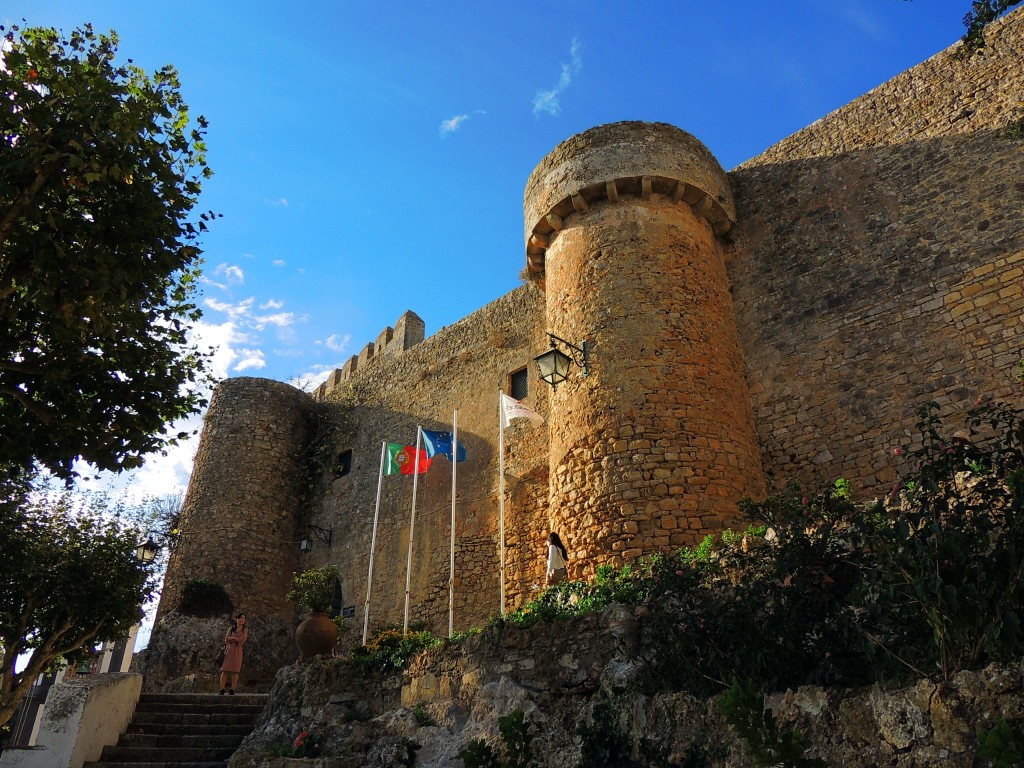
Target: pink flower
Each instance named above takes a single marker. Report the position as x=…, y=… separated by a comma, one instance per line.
x=897, y=451
x=805, y=501
x=679, y=573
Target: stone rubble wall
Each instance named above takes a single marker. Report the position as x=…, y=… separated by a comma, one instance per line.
x=562, y=675
x=238, y=522
x=407, y=333
x=878, y=263
x=947, y=95
x=459, y=367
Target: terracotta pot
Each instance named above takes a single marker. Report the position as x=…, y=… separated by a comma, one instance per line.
x=316, y=635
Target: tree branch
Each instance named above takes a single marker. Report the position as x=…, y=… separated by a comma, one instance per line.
x=43, y=414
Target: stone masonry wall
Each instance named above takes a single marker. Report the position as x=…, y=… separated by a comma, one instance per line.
x=652, y=449
x=239, y=516
x=878, y=262
x=947, y=95
x=461, y=367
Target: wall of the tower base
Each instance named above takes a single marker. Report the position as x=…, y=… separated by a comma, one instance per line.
x=238, y=522
x=654, y=448
x=878, y=263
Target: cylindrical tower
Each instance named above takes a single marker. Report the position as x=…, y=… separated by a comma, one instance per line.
x=653, y=449
x=238, y=522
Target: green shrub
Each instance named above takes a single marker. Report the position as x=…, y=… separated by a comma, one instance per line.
x=1002, y=744
x=745, y=712
x=515, y=738
x=390, y=648
x=314, y=588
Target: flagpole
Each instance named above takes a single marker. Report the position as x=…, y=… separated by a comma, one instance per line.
x=501, y=501
x=451, y=575
x=373, y=540
x=412, y=527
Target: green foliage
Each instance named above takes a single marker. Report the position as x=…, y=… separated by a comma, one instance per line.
x=390, y=648
x=423, y=717
x=602, y=743
x=982, y=13
x=516, y=739
x=204, y=598
x=1003, y=745
x=948, y=568
x=769, y=746
x=101, y=170
x=69, y=579
x=314, y=588
x=479, y=754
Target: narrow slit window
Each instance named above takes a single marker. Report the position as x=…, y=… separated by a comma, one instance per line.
x=344, y=464
x=519, y=384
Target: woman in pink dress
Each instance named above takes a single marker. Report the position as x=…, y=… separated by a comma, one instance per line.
x=233, y=642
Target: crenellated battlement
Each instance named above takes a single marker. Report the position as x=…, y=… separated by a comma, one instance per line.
x=391, y=342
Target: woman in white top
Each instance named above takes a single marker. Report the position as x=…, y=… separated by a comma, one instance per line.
x=557, y=557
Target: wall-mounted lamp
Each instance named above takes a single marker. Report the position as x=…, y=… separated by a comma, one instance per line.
x=148, y=550
x=155, y=541
x=326, y=535
x=554, y=364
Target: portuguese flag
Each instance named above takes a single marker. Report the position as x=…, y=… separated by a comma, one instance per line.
x=402, y=460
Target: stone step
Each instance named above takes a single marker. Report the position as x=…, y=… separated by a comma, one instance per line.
x=174, y=741
x=184, y=730
x=203, y=698
x=174, y=756
x=222, y=707
x=185, y=718
x=177, y=729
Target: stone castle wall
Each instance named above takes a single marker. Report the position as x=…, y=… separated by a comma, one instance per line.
x=460, y=367
x=878, y=263
x=654, y=448
x=239, y=518
x=870, y=262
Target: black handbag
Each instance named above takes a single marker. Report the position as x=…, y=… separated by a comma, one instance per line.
x=220, y=658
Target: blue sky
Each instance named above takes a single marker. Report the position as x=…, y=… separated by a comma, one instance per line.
x=370, y=158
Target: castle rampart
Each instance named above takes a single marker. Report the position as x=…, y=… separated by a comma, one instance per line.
x=780, y=321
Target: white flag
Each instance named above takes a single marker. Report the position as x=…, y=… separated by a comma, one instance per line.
x=513, y=409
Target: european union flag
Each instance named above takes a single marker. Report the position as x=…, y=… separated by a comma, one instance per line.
x=441, y=442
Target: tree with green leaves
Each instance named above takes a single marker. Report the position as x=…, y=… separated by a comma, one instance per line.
x=983, y=13
x=69, y=579
x=100, y=171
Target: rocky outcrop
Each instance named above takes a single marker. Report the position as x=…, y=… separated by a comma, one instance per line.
x=580, y=685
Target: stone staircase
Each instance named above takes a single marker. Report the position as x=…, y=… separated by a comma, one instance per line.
x=183, y=730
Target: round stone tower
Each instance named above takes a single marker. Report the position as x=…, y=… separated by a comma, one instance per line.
x=653, y=449
x=238, y=528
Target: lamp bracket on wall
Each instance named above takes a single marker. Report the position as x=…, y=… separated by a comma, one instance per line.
x=554, y=364
x=326, y=535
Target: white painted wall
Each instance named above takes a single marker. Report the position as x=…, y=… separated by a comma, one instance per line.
x=81, y=716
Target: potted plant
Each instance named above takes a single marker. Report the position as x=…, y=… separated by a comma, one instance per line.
x=314, y=588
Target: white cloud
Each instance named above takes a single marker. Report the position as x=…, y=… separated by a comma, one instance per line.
x=337, y=343
x=233, y=275
x=280, y=319
x=272, y=304
x=237, y=311
x=547, y=100
x=451, y=125
x=278, y=262
x=251, y=358
x=281, y=202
